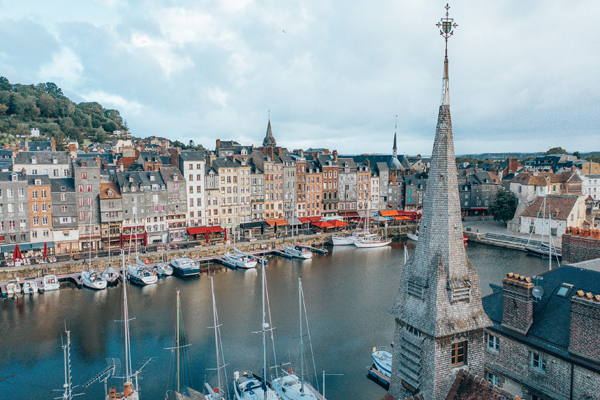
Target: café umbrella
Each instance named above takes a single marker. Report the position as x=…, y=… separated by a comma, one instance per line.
x=17, y=253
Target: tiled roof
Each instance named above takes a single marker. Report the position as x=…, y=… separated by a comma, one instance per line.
x=189, y=155
x=561, y=205
x=105, y=187
x=468, y=386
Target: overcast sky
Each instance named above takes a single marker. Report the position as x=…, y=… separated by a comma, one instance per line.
x=523, y=74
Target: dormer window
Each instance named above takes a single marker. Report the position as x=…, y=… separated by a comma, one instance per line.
x=33, y=160
x=131, y=179
x=38, y=182
x=63, y=188
x=83, y=164
x=152, y=178
x=15, y=177
x=54, y=160
x=174, y=177
x=110, y=193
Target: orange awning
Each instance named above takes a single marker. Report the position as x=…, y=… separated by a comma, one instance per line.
x=314, y=219
x=304, y=220
x=278, y=222
x=335, y=223
x=403, y=218
x=388, y=213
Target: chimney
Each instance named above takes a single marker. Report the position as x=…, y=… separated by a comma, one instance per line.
x=218, y=144
x=301, y=153
x=584, y=338
x=517, y=308
x=368, y=163
x=53, y=143
x=335, y=155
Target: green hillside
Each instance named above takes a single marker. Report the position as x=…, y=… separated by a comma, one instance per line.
x=44, y=106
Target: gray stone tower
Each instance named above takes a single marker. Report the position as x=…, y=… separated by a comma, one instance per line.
x=269, y=140
x=439, y=317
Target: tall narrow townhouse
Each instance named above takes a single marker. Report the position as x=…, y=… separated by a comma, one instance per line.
x=40, y=209
x=192, y=165
x=176, y=203
x=213, y=197
x=86, y=175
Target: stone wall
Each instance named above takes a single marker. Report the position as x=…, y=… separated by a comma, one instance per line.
x=576, y=248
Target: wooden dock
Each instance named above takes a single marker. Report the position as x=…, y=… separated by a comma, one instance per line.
x=378, y=377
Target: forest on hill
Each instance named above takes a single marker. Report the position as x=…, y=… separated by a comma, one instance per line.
x=44, y=106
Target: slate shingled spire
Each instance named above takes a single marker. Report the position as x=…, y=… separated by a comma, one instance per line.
x=269, y=140
x=438, y=308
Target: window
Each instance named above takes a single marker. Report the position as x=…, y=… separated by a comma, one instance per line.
x=44, y=194
x=564, y=290
x=21, y=192
x=11, y=224
x=34, y=207
x=538, y=362
x=175, y=196
x=55, y=173
x=81, y=215
x=81, y=202
x=10, y=208
x=198, y=189
x=89, y=188
x=84, y=175
x=191, y=189
x=34, y=194
x=63, y=208
x=44, y=220
x=459, y=353
x=491, y=378
x=44, y=207
x=80, y=189
x=36, y=221
x=493, y=342
x=89, y=201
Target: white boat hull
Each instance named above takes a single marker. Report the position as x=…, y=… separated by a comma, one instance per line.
x=302, y=254
x=30, y=287
x=93, y=280
x=371, y=243
x=383, y=362
x=288, y=388
x=412, y=236
x=240, y=261
x=141, y=276
x=50, y=283
x=342, y=240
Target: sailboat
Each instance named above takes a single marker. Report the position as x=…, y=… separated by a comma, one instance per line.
x=239, y=258
x=303, y=254
x=130, y=389
x=250, y=386
x=110, y=274
x=221, y=391
x=91, y=278
x=545, y=250
x=289, y=386
x=371, y=240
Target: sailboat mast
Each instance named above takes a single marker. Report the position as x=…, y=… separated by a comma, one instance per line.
x=67, y=353
x=212, y=289
x=301, y=341
x=549, y=240
x=178, y=311
x=264, y=329
x=126, y=327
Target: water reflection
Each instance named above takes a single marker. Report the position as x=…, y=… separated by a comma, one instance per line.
x=348, y=294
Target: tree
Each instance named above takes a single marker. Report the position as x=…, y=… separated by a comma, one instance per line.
x=555, y=150
x=504, y=206
x=577, y=154
x=5, y=84
x=593, y=158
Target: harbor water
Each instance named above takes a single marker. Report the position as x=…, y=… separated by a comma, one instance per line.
x=348, y=293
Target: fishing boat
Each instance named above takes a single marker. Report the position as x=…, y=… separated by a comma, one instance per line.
x=141, y=275
x=371, y=241
x=185, y=267
x=111, y=275
x=50, y=283
x=290, y=386
x=382, y=359
x=250, y=386
x=93, y=280
x=13, y=288
x=30, y=286
x=163, y=269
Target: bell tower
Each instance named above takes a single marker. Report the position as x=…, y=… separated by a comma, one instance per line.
x=439, y=317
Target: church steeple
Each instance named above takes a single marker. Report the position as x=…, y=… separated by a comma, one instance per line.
x=438, y=311
x=393, y=162
x=269, y=140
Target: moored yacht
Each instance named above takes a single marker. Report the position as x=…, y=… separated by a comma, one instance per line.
x=298, y=253
x=141, y=275
x=290, y=387
x=249, y=386
x=49, y=283
x=371, y=241
x=240, y=260
x=185, y=267
x=13, y=288
x=163, y=269
x=382, y=358
x=30, y=286
x=111, y=276
x=345, y=240
x=93, y=280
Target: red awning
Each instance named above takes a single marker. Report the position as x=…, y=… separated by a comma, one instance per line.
x=349, y=214
x=322, y=224
x=304, y=220
x=335, y=223
x=196, y=231
x=479, y=208
x=314, y=219
x=214, y=229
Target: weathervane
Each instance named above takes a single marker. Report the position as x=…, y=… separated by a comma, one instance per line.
x=446, y=27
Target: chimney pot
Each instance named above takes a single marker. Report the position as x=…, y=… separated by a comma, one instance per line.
x=584, y=334
x=517, y=307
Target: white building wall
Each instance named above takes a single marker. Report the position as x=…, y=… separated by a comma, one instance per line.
x=194, y=173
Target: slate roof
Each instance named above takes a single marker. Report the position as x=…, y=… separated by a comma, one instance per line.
x=551, y=327
x=89, y=162
x=138, y=178
x=42, y=157
x=57, y=184
x=189, y=155
x=45, y=180
x=39, y=146
x=168, y=172
x=105, y=157
x=7, y=176
x=350, y=162
x=324, y=158
x=562, y=205
x=225, y=163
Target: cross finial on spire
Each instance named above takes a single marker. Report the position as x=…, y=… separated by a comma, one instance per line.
x=446, y=26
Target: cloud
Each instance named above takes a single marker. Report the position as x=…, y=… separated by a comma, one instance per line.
x=521, y=75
